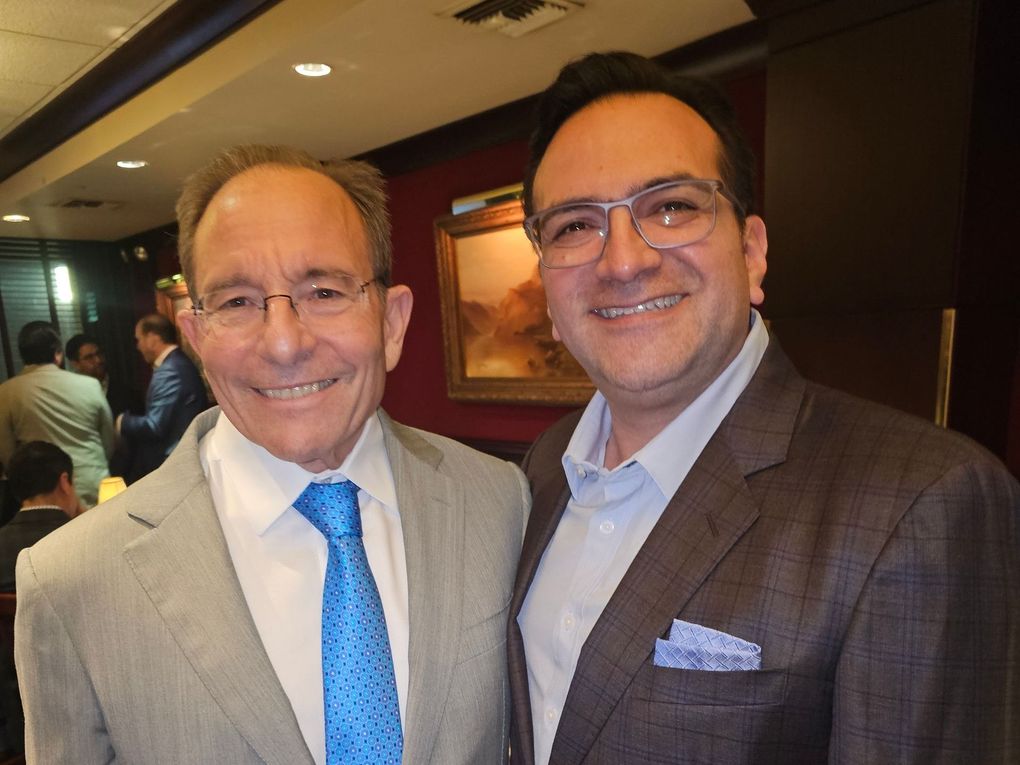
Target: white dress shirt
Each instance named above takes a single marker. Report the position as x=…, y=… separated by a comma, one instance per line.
x=606, y=521
x=280, y=557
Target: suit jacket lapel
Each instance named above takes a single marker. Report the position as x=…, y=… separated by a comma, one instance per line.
x=706, y=517
x=548, y=502
x=184, y=566
x=432, y=519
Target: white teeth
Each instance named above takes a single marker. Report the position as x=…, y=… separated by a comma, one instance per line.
x=652, y=305
x=297, y=391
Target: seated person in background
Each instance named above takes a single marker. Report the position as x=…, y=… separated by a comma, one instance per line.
x=40, y=476
x=176, y=394
x=87, y=358
x=47, y=403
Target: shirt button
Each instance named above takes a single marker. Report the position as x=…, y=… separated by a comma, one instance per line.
x=607, y=527
x=580, y=472
x=568, y=621
x=550, y=715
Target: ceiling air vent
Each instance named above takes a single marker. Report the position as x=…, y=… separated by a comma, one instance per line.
x=87, y=204
x=512, y=17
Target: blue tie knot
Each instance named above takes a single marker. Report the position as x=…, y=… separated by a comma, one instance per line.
x=332, y=508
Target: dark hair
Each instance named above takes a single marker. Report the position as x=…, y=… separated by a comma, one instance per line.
x=598, y=76
x=38, y=343
x=74, y=345
x=35, y=469
x=362, y=182
x=159, y=324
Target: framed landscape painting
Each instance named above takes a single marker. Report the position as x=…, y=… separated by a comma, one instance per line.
x=497, y=334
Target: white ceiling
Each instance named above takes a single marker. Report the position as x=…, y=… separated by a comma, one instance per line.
x=398, y=70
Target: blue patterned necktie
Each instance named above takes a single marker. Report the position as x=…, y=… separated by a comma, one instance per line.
x=359, y=688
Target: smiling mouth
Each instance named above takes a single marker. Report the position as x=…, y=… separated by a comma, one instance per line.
x=658, y=304
x=297, y=391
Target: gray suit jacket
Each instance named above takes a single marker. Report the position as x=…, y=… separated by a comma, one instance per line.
x=134, y=642
x=47, y=403
x=873, y=557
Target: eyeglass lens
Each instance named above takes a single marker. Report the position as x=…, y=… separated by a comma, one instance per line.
x=670, y=215
x=243, y=309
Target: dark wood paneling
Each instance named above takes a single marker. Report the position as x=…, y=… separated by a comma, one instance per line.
x=888, y=357
x=865, y=146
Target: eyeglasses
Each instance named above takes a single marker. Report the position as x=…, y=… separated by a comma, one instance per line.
x=670, y=214
x=237, y=312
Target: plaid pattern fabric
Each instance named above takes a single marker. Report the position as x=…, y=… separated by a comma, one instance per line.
x=872, y=556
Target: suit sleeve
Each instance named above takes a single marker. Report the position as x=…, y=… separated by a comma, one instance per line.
x=164, y=392
x=930, y=667
x=7, y=441
x=106, y=431
x=63, y=720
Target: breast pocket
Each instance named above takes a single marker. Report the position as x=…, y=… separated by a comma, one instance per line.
x=666, y=685
x=683, y=715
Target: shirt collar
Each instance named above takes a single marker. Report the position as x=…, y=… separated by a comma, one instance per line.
x=681, y=441
x=162, y=357
x=267, y=486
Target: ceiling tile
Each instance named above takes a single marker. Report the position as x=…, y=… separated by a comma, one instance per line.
x=16, y=97
x=26, y=58
x=94, y=23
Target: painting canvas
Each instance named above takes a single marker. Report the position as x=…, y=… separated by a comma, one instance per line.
x=497, y=333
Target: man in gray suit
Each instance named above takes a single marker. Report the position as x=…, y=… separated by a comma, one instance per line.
x=47, y=403
x=187, y=621
x=726, y=563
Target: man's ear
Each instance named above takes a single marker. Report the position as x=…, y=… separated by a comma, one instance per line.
x=399, y=302
x=191, y=328
x=756, y=245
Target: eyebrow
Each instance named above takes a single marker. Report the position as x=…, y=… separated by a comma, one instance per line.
x=240, y=280
x=631, y=191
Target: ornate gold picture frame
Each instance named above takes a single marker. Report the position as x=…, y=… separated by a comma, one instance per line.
x=497, y=335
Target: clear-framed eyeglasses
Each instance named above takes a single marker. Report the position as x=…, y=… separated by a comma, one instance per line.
x=670, y=214
x=237, y=312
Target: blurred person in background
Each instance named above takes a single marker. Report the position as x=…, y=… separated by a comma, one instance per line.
x=47, y=403
x=176, y=394
x=41, y=478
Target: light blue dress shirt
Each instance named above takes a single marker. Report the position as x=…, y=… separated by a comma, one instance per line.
x=608, y=517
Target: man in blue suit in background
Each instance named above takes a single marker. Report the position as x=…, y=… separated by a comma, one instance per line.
x=176, y=394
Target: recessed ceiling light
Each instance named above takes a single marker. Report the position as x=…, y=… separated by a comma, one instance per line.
x=313, y=70
x=17, y=218
x=132, y=164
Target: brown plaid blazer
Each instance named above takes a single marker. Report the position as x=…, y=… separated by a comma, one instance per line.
x=872, y=556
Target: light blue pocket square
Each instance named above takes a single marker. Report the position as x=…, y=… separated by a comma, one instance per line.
x=691, y=646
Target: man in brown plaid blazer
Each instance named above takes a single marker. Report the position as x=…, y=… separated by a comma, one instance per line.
x=726, y=563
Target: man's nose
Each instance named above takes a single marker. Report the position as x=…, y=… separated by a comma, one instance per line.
x=284, y=337
x=626, y=255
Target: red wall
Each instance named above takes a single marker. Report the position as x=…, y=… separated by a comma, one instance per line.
x=416, y=389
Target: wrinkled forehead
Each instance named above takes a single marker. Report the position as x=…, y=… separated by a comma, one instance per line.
x=615, y=146
x=284, y=218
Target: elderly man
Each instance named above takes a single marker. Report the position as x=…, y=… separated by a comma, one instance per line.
x=303, y=580
x=726, y=563
x=48, y=403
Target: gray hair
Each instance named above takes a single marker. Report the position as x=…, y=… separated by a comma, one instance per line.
x=362, y=182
